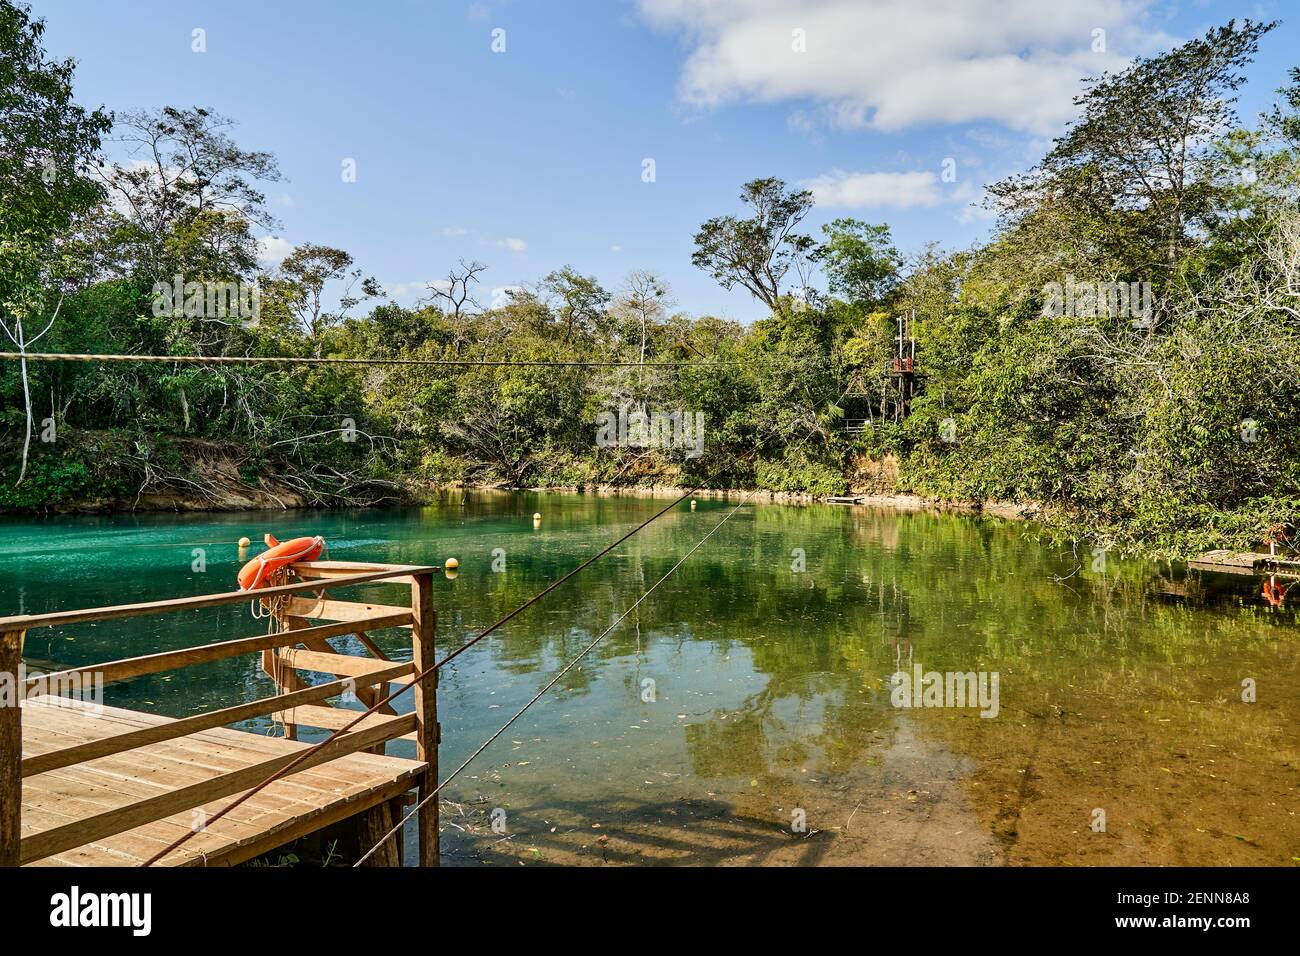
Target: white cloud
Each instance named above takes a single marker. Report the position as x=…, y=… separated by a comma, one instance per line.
x=273, y=249
x=847, y=190
x=453, y=231
x=892, y=64
x=514, y=245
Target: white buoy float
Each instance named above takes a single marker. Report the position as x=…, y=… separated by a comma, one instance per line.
x=243, y=543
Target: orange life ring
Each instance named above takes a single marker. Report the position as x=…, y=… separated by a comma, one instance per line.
x=253, y=575
x=1274, y=593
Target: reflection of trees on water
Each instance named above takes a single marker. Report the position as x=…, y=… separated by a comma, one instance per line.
x=949, y=592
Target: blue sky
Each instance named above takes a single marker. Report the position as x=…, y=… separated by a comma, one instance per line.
x=532, y=158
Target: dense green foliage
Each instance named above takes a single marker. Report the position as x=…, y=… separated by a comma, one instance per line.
x=1168, y=428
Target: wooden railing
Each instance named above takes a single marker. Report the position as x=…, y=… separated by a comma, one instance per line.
x=296, y=704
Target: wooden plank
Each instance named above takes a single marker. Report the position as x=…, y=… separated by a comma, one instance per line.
x=288, y=804
x=1245, y=562
x=323, y=610
x=171, y=660
x=330, y=718
x=58, y=618
x=11, y=747
x=181, y=727
x=424, y=626
x=191, y=759
x=336, y=569
x=1227, y=559
x=304, y=825
x=345, y=665
x=149, y=810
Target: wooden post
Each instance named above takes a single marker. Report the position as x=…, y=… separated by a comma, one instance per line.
x=374, y=825
x=11, y=746
x=423, y=625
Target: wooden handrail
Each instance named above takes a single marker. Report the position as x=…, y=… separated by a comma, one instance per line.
x=355, y=673
x=25, y=622
x=323, y=610
x=184, y=657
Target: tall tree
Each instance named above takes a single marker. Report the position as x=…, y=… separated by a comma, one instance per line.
x=306, y=272
x=859, y=259
x=579, y=301
x=189, y=198
x=756, y=252
x=1135, y=160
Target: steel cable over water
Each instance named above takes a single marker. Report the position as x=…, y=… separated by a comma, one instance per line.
x=600, y=637
x=554, y=680
x=416, y=679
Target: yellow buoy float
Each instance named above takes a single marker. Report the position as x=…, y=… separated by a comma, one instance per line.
x=244, y=542
x=451, y=564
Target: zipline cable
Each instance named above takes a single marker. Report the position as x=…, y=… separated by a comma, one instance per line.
x=312, y=360
x=554, y=680
x=361, y=715
x=600, y=637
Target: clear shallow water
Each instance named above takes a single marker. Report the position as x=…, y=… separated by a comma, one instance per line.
x=771, y=694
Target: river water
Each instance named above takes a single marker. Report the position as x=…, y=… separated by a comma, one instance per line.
x=746, y=712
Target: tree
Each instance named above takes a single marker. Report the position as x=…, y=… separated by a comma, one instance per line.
x=456, y=290
x=46, y=141
x=756, y=252
x=1135, y=160
x=189, y=199
x=644, y=301
x=580, y=301
x=307, y=271
x=860, y=260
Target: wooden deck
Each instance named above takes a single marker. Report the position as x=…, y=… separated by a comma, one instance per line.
x=1236, y=562
x=62, y=808
x=82, y=784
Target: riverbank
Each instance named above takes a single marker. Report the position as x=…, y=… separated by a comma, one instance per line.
x=225, y=491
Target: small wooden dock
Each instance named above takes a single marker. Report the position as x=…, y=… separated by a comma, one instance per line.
x=1246, y=562
x=83, y=784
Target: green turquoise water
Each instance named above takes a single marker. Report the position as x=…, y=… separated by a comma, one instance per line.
x=745, y=691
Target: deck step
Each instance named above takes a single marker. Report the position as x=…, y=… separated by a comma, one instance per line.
x=372, y=670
